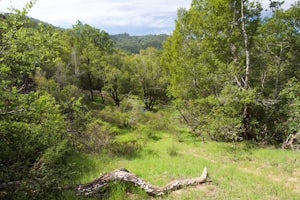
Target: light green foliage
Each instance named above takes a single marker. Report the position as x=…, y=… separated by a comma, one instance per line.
x=290, y=108
x=205, y=58
x=89, y=47
x=70, y=100
x=217, y=117
x=118, y=81
x=197, y=55
x=149, y=77
x=276, y=43
x=24, y=49
x=32, y=127
x=230, y=67
x=276, y=63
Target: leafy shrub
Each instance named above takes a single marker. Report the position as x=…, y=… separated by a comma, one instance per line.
x=113, y=116
x=98, y=136
x=50, y=171
x=289, y=108
x=125, y=148
x=33, y=133
x=219, y=117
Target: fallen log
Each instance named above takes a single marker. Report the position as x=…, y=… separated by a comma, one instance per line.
x=124, y=175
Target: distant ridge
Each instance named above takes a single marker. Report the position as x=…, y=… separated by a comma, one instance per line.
x=134, y=44
x=124, y=41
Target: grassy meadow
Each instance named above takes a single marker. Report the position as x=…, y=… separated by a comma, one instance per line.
x=236, y=170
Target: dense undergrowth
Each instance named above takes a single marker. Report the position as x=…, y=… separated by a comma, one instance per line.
x=157, y=148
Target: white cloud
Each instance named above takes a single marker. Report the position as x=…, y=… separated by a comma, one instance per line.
x=156, y=14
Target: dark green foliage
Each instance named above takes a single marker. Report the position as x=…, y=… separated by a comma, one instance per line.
x=134, y=44
x=32, y=127
x=33, y=141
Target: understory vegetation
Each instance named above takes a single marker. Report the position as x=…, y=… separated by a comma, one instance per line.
x=223, y=92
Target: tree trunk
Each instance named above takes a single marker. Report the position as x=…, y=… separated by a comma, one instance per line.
x=247, y=49
x=98, y=185
x=278, y=70
x=102, y=97
x=114, y=94
x=246, y=111
x=91, y=86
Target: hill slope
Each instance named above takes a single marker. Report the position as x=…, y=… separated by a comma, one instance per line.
x=134, y=44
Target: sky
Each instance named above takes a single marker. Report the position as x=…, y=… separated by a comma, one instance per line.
x=136, y=17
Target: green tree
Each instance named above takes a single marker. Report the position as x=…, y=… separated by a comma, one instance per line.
x=276, y=61
x=210, y=50
x=89, y=47
x=276, y=43
x=31, y=122
x=149, y=78
x=289, y=108
x=24, y=49
x=118, y=82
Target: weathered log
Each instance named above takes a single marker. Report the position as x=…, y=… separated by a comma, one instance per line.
x=124, y=175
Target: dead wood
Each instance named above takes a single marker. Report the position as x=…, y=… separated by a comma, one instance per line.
x=123, y=175
x=292, y=141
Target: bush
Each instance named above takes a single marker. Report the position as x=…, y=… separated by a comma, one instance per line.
x=219, y=117
x=33, y=145
x=125, y=148
x=98, y=136
x=113, y=116
x=50, y=172
x=289, y=108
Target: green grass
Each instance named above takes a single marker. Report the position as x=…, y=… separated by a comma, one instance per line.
x=236, y=170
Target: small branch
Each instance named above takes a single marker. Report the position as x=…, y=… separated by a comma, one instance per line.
x=8, y=184
x=239, y=83
x=183, y=116
x=12, y=112
x=124, y=175
x=292, y=141
x=263, y=79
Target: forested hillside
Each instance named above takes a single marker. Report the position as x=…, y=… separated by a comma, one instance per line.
x=73, y=101
x=134, y=44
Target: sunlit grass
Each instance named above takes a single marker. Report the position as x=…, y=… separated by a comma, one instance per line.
x=236, y=170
